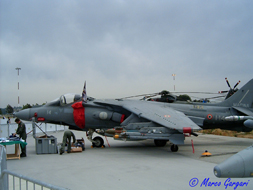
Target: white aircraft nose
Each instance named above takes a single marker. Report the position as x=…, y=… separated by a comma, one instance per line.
x=23, y=114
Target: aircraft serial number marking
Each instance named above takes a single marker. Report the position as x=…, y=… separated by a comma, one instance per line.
x=220, y=117
x=198, y=107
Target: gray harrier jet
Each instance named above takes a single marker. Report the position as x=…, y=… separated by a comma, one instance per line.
x=139, y=120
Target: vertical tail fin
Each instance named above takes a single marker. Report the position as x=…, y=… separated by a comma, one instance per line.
x=84, y=95
x=243, y=97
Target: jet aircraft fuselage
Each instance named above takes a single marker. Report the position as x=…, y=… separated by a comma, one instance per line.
x=139, y=119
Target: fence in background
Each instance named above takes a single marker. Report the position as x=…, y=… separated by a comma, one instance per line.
x=11, y=180
x=7, y=129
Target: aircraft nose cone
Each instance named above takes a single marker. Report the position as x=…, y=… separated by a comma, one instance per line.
x=232, y=167
x=217, y=171
x=238, y=165
x=23, y=114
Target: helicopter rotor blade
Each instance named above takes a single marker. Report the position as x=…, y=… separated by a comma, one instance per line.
x=228, y=83
x=237, y=84
x=149, y=95
x=216, y=97
x=221, y=92
x=195, y=92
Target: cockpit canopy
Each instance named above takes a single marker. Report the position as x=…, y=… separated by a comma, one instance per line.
x=67, y=99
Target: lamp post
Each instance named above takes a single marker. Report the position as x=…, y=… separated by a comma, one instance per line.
x=18, y=86
x=174, y=77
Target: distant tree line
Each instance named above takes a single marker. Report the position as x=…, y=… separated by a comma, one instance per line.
x=9, y=109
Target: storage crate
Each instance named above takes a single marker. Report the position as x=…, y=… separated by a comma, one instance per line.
x=79, y=148
x=46, y=145
x=76, y=149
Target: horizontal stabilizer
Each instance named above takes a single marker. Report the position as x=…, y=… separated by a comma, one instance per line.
x=243, y=110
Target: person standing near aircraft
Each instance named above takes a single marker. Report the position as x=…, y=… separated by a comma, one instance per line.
x=67, y=139
x=9, y=120
x=21, y=131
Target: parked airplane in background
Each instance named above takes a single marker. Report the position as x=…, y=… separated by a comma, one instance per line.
x=139, y=120
x=166, y=96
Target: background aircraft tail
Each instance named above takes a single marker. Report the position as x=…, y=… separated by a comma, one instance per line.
x=243, y=97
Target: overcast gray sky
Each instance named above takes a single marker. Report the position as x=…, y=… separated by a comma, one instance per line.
x=122, y=47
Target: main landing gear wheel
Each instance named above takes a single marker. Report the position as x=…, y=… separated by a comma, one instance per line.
x=160, y=143
x=174, y=148
x=99, y=142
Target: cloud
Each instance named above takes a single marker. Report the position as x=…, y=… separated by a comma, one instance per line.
x=122, y=48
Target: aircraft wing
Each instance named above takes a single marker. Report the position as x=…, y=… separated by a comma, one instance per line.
x=161, y=114
x=156, y=112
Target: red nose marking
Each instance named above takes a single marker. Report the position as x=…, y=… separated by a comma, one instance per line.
x=78, y=113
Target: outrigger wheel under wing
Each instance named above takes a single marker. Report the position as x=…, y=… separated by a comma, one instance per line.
x=162, y=143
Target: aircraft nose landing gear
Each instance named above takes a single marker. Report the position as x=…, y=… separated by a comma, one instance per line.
x=97, y=141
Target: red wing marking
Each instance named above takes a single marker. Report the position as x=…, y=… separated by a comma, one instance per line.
x=122, y=118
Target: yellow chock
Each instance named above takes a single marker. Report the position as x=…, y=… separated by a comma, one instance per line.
x=206, y=153
x=92, y=146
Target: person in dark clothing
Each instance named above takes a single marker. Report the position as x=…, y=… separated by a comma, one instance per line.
x=9, y=120
x=21, y=131
x=67, y=139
